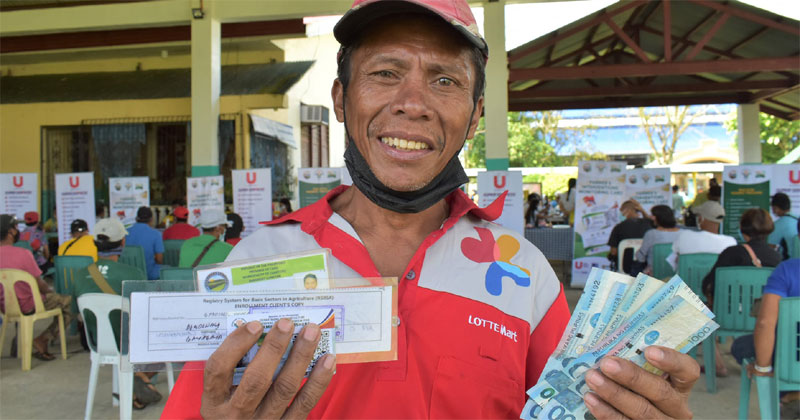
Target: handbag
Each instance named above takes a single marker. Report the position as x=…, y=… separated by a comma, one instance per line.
x=756, y=306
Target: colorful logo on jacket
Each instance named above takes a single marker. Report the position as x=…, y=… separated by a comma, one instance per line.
x=498, y=252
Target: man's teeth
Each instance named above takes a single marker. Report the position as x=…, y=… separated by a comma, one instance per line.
x=403, y=144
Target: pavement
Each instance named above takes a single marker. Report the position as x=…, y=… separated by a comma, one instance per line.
x=57, y=389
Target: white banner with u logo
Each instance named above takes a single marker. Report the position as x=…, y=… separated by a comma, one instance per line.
x=252, y=197
x=126, y=195
x=74, y=200
x=19, y=193
x=491, y=184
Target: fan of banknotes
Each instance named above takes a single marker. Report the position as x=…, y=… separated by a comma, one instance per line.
x=617, y=315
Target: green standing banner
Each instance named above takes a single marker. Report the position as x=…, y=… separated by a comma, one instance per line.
x=748, y=186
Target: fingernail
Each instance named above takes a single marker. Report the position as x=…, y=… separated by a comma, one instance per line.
x=309, y=333
x=590, y=399
x=330, y=359
x=610, y=366
x=284, y=325
x=654, y=354
x=595, y=378
x=255, y=327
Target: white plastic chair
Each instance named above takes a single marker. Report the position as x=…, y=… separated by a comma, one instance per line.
x=106, y=352
x=624, y=244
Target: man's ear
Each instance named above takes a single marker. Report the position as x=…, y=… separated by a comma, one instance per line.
x=337, y=94
x=476, y=117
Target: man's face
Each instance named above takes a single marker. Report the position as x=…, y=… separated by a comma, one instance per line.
x=409, y=103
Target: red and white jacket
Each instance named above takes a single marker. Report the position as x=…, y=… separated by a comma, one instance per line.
x=480, y=312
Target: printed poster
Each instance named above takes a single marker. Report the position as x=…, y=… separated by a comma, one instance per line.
x=601, y=190
x=491, y=184
x=19, y=193
x=743, y=187
x=252, y=197
x=126, y=195
x=786, y=179
x=74, y=200
x=649, y=186
x=203, y=193
x=314, y=183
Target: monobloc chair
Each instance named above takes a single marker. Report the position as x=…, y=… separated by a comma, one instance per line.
x=632, y=244
x=13, y=313
x=661, y=268
x=176, y=273
x=735, y=289
x=794, y=247
x=133, y=255
x=65, y=267
x=693, y=268
x=24, y=244
x=172, y=252
x=786, y=365
x=105, y=351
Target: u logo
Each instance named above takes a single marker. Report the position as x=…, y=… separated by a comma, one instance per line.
x=77, y=182
x=792, y=175
x=247, y=177
x=502, y=182
x=14, y=180
x=578, y=264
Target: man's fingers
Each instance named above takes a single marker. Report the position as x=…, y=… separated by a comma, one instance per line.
x=625, y=401
x=313, y=389
x=218, y=375
x=600, y=409
x=285, y=387
x=683, y=370
x=257, y=378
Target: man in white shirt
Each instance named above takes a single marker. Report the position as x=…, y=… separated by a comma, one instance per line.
x=709, y=217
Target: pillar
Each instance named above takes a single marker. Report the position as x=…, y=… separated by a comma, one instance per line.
x=205, y=93
x=748, y=137
x=495, y=104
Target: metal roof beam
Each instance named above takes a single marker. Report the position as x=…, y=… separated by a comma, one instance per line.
x=722, y=7
x=767, y=94
x=627, y=40
x=667, y=30
x=780, y=86
x=707, y=37
x=538, y=105
x=657, y=69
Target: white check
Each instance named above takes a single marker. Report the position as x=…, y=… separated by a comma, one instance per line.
x=171, y=327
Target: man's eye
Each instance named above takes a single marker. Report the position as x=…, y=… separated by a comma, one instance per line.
x=445, y=81
x=384, y=73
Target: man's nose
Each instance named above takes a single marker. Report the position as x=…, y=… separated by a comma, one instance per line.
x=411, y=99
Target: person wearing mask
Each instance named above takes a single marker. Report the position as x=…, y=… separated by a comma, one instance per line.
x=637, y=222
x=181, y=229
x=35, y=236
x=410, y=92
x=22, y=259
x=782, y=237
x=708, y=239
x=210, y=247
x=81, y=242
x=233, y=234
x=566, y=201
x=666, y=231
x=143, y=234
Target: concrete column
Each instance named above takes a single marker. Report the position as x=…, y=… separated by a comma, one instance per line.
x=496, y=97
x=206, y=72
x=749, y=134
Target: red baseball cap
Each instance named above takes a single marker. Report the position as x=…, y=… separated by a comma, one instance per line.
x=31, y=217
x=454, y=12
x=181, y=212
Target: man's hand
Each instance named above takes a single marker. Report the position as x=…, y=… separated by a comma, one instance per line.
x=257, y=396
x=655, y=397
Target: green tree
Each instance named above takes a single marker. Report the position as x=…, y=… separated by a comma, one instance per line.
x=534, y=140
x=778, y=136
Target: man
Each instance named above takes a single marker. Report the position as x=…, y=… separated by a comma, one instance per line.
x=143, y=234
x=207, y=248
x=22, y=259
x=708, y=239
x=637, y=222
x=785, y=226
x=181, y=229
x=81, y=242
x=677, y=202
x=714, y=193
x=410, y=92
x=34, y=235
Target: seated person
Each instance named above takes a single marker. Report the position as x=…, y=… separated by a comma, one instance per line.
x=81, y=242
x=784, y=282
x=635, y=225
x=181, y=229
x=143, y=234
x=708, y=239
x=666, y=231
x=233, y=234
x=207, y=248
x=34, y=235
x=782, y=237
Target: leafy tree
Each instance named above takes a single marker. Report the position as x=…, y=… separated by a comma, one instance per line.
x=778, y=136
x=664, y=128
x=534, y=140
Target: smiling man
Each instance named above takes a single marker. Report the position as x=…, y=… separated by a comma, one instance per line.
x=480, y=309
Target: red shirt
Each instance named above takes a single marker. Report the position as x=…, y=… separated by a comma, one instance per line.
x=480, y=312
x=180, y=231
x=21, y=259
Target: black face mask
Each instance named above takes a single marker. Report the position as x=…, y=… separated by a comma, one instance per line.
x=451, y=177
